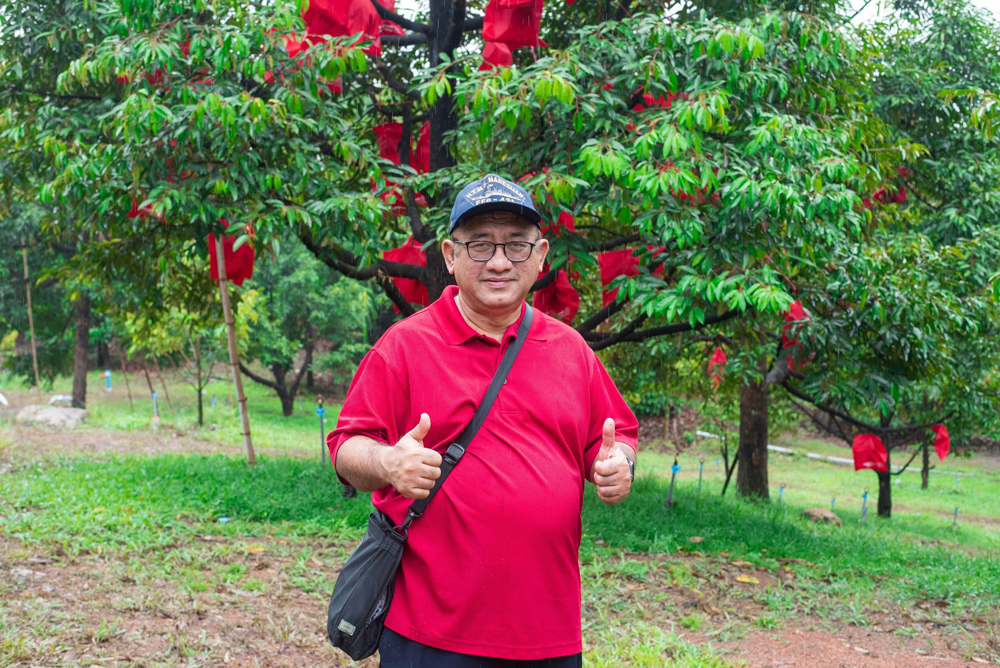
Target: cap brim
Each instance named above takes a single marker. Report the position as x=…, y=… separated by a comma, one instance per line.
x=529, y=213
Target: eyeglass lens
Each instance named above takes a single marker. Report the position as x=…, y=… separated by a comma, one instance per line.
x=516, y=251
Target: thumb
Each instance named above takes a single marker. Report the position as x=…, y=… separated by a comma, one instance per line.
x=420, y=431
x=609, y=435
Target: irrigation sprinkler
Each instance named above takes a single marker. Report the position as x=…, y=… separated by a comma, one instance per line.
x=701, y=467
x=107, y=379
x=718, y=463
x=958, y=479
x=213, y=401
x=833, y=502
x=320, y=411
x=673, y=476
x=156, y=413
x=781, y=491
x=954, y=524
x=864, y=505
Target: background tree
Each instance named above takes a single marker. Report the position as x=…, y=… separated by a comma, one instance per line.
x=295, y=303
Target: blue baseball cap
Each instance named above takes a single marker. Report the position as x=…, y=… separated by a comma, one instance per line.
x=492, y=193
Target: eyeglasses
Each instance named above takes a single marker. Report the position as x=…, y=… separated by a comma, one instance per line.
x=482, y=251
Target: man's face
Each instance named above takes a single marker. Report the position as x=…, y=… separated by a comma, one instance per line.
x=497, y=286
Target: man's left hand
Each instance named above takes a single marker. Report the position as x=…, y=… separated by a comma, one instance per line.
x=611, y=470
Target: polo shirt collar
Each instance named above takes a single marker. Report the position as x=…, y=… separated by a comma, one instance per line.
x=456, y=331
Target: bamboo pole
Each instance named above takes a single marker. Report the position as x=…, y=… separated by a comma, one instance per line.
x=234, y=359
x=31, y=319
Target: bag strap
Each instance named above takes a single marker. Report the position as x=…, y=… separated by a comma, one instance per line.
x=453, y=455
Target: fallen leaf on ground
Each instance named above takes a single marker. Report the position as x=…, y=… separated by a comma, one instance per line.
x=747, y=578
x=696, y=539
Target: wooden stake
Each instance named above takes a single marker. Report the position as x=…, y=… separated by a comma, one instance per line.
x=145, y=370
x=131, y=406
x=163, y=381
x=234, y=358
x=31, y=320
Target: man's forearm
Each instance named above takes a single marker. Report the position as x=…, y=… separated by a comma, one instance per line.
x=361, y=461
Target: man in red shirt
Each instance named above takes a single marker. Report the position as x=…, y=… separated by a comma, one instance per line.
x=490, y=576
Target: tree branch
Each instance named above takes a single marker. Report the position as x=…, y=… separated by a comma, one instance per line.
x=387, y=15
x=392, y=82
x=599, y=317
x=544, y=280
x=600, y=341
x=616, y=242
x=905, y=466
x=475, y=23
x=258, y=379
x=404, y=40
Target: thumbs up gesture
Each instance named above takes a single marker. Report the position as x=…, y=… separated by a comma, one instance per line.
x=410, y=467
x=611, y=470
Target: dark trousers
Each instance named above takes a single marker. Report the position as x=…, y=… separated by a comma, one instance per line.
x=399, y=652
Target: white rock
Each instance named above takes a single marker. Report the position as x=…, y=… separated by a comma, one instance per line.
x=53, y=415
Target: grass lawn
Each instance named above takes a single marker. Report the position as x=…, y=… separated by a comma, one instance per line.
x=192, y=558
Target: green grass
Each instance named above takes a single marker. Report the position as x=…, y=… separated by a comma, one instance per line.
x=142, y=505
x=270, y=429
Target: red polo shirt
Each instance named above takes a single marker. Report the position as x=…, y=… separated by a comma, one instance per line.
x=492, y=567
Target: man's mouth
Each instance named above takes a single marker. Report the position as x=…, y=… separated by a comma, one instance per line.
x=498, y=282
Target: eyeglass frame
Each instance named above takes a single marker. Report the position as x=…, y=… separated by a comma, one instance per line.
x=484, y=241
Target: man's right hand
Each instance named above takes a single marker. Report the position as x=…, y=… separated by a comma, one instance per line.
x=410, y=467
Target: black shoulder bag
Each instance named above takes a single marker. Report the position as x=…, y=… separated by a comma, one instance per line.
x=363, y=592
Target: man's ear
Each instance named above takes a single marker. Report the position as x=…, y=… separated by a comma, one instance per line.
x=543, y=249
x=448, y=251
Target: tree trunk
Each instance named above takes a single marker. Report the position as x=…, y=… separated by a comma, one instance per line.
x=925, y=470
x=751, y=478
x=884, y=494
x=128, y=388
x=80, y=353
x=197, y=365
x=31, y=317
x=287, y=403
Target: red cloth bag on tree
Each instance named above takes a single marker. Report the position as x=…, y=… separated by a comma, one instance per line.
x=942, y=441
x=717, y=366
x=496, y=54
x=558, y=299
x=613, y=264
x=422, y=154
x=390, y=27
x=389, y=136
x=239, y=262
x=869, y=453
x=795, y=313
x=513, y=22
x=339, y=18
x=412, y=290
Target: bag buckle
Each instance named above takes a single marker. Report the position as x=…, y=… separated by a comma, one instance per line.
x=454, y=453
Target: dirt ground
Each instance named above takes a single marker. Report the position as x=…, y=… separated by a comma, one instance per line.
x=92, y=610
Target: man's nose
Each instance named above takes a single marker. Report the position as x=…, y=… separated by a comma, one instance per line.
x=499, y=261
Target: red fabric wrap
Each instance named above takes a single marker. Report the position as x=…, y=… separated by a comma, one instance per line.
x=717, y=366
x=389, y=136
x=558, y=299
x=795, y=313
x=496, y=54
x=239, y=262
x=422, y=154
x=390, y=27
x=339, y=18
x=942, y=441
x=613, y=264
x=513, y=22
x=869, y=453
x=412, y=290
